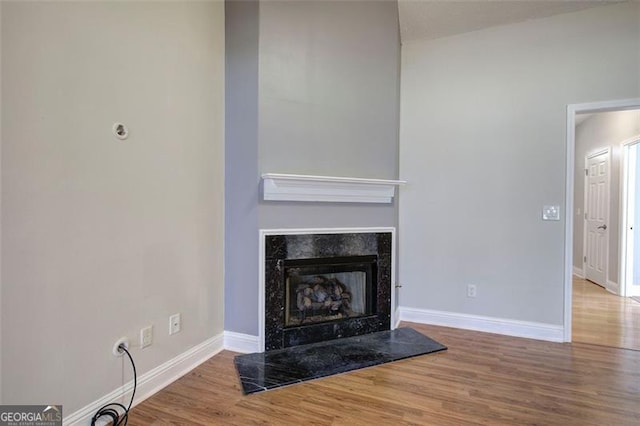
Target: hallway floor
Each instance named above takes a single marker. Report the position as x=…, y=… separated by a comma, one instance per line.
x=602, y=318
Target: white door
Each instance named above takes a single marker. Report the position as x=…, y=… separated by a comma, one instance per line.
x=597, y=218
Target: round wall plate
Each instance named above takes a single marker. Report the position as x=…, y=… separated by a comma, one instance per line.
x=120, y=131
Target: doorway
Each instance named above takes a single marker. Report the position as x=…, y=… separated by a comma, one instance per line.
x=630, y=255
x=572, y=216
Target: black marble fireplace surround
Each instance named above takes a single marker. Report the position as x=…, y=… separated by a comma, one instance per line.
x=281, y=249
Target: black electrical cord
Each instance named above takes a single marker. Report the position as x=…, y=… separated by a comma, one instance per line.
x=111, y=410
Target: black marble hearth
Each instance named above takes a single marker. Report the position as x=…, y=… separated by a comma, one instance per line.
x=281, y=250
x=262, y=371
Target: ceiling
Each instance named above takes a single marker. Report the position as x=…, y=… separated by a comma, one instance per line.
x=429, y=19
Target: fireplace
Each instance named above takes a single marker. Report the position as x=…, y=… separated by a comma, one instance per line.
x=322, y=286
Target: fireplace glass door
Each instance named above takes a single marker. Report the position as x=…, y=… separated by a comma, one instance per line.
x=329, y=289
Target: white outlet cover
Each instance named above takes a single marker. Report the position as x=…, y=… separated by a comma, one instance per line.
x=121, y=341
x=175, y=324
x=146, y=336
x=551, y=213
x=472, y=290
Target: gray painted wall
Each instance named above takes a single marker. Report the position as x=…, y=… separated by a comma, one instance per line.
x=482, y=144
x=602, y=130
x=328, y=88
x=241, y=160
x=101, y=237
x=328, y=105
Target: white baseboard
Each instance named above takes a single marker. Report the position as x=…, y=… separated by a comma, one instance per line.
x=531, y=330
x=153, y=380
x=578, y=272
x=612, y=287
x=239, y=342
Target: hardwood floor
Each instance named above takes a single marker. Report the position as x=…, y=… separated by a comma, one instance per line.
x=602, y=318
x=482, y=378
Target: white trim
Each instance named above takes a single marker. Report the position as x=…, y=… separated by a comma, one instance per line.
x=578, y=272
x=568, y=220
x=395, y=317
x=604, y=106
x=152, y=381
x=261, y=260
x=239, y=342
x=289, y=187
x=597, y=152
x=625, y=274
x=625, y=248
x=612, y=287
x=261, y=287
x=572, y=109
x=508, y=327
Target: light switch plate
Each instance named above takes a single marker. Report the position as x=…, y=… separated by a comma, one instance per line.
x=550, y=212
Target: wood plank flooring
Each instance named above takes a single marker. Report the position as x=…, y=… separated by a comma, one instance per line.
x=483, y=379
x=602, y=318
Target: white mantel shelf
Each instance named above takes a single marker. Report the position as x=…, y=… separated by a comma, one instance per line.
x=287, y=187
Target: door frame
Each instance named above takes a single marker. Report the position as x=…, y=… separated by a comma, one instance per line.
x=572, y=109
x=626, y=249
x=590, y=155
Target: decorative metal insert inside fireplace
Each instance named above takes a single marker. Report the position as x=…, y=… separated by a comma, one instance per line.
x=325, y=286
x=329, y=289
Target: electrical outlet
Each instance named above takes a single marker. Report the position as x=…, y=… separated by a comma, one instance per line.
x=146, y=336
x=472, y=290
x=175, y=324
x=550, y=212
